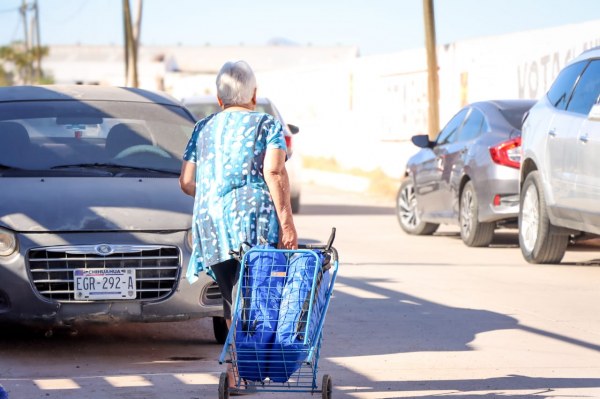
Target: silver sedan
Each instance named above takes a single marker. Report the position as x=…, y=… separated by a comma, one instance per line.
x=469, y=176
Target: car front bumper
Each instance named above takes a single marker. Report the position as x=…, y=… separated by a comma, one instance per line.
x=21, y=301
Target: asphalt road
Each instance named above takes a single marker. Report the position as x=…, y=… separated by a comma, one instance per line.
x=418, y=317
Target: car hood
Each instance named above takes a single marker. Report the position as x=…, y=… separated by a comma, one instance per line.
x=93, y=204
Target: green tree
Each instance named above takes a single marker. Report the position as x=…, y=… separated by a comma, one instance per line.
x=23, y=62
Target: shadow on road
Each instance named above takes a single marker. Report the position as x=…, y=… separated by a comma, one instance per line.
x=545, y=388
x=413, y=325
x=403, y=323
x=310, y=209
x=503, y=238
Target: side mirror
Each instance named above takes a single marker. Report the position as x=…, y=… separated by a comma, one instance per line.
x=594, y=114
x=293, y=128
x=422, y=141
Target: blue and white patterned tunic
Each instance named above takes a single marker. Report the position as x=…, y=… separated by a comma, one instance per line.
x=233, y=204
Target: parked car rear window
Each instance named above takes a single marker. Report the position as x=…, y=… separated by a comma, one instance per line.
x=587, y=90
x=514, y=116
x=561, y=88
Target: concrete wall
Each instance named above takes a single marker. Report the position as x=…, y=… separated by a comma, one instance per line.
x=362, y=111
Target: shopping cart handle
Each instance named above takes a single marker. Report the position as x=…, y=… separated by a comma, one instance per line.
x=331, y=238
x=325, y=247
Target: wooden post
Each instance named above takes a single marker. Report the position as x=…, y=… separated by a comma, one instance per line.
x=433, y=89
x=131, y=78
x=38, y=43
x=27, y=72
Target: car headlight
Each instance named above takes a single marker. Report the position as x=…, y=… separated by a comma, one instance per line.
x=189, y=240
x=8, y=242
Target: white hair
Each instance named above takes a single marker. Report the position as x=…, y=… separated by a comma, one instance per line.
x=236, y=83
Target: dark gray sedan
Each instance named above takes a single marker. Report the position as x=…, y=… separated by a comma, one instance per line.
x=93, y=224
x=469, y=176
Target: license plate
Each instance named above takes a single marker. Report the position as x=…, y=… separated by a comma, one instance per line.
x=98, y=284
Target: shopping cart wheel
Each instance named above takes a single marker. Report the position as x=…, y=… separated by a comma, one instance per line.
x=224, y=386
x=326, y=387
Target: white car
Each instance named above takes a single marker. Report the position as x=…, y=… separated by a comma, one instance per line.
x=202, y=106
x=560, y=169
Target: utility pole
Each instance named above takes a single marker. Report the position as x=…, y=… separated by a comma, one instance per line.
x=38, y=42
x=433, y=90
x=132, y=33
x=26, y=40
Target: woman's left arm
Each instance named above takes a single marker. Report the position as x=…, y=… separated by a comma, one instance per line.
x=187, y=178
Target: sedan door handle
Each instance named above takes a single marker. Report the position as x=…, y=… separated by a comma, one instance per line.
x=552, y=132
x=584, y=138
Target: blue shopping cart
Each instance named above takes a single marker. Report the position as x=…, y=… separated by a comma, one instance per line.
x=280, y=305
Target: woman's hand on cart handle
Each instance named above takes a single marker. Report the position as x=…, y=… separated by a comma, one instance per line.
x=288, y=238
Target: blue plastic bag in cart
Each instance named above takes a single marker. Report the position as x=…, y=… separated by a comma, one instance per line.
x=289, y=349
x=260, y=289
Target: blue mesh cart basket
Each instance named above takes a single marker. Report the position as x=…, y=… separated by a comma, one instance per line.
x=280, y=305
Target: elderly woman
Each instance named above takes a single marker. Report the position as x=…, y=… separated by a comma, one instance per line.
x=234, y=166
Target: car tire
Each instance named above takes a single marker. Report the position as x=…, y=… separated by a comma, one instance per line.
x=538, y=238
x=473, y=232
x=406, y=211
x=295, y=202
x=220, y=329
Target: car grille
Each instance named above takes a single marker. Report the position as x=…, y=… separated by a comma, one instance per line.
x=157, y=268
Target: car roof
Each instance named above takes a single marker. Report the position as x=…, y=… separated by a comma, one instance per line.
x=506, y=104
x=593, y=52
x=83, y=92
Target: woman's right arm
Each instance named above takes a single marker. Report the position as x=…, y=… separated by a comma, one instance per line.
x=278, y=182
x=187, y=178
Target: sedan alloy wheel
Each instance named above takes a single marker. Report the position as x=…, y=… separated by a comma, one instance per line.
x=407, y=212
x=473, y=232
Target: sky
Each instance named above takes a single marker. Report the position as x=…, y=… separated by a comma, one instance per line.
x=374, y=26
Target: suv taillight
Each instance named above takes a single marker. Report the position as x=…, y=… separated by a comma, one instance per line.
x=507, y=153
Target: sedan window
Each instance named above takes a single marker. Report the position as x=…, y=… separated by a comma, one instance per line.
x=560, y=91
x=472, y=126
x=587, y=90
x=449, y=132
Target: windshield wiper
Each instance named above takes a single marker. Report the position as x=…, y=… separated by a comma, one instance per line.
x=114, y=166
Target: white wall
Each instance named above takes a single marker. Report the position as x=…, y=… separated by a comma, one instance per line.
x=363, y=112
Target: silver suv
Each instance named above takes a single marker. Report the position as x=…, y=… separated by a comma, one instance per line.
x=560, y=170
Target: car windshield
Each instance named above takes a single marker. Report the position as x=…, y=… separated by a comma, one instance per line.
x=109, y=135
